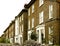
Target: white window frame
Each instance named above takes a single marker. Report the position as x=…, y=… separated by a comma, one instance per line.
x=22, y=16
x=29, y=34
x=21, y=40
x=17, y=26
x=32, y=22
x=32, y=8
x=22, y=27
x=41, y=2
x=29, y=12
x=50, y=11
x=41, y=14
x=29, y=24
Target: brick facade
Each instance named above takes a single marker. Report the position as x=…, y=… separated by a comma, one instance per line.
x=22, y=26
x=9, y=33
x=43, y=18
x=46, y=21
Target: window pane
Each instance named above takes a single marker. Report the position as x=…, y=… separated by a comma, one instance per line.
x=22, y=16
x=29, y=24
x=32, y=8
x=29, y=34
x=41, y=17
x=29, y=12
x=22, y=27
x=50, y=11
x=32, y=22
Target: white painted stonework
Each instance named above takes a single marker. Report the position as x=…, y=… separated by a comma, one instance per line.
x=17, y=26
x=17, y=30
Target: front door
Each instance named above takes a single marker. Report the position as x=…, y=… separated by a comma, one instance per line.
x=40, y=31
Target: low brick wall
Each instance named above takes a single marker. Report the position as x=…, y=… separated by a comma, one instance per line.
x=5, y=44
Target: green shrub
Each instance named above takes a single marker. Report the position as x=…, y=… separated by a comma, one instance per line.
x=33, y=36
x=4, y=40
x=7, y=41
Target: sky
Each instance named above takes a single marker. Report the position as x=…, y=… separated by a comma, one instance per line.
x=8, y=10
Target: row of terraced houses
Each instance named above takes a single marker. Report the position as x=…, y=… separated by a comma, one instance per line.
x=39, y=16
